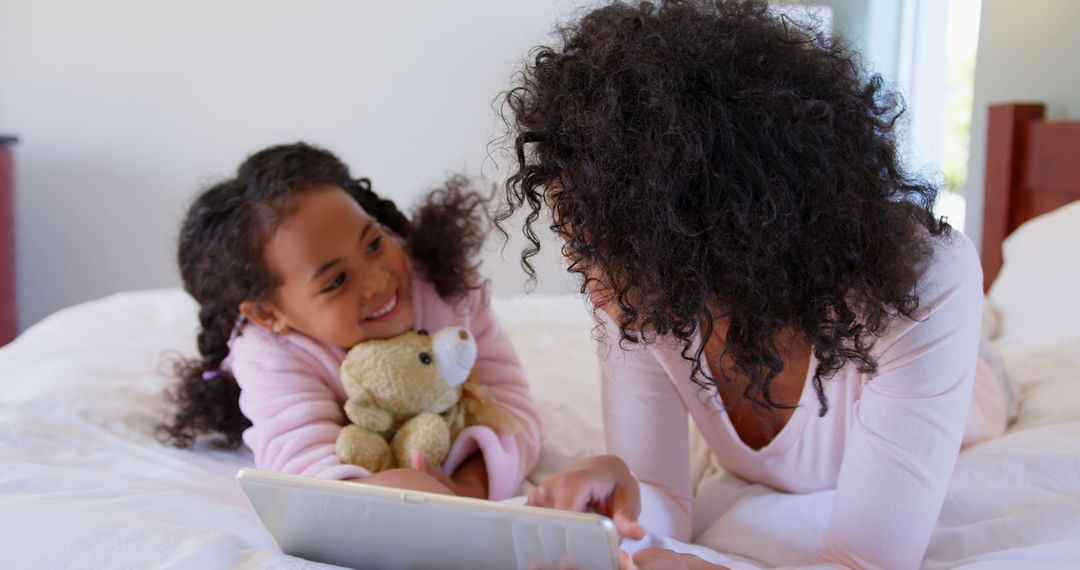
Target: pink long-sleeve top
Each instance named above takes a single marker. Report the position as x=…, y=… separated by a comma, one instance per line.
x=291, y=392
x=888, y=443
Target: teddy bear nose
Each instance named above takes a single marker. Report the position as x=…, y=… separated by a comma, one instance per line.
x=455, y=354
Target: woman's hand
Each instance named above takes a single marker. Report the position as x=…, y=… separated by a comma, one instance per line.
x=663, y=559
x=601, y=484
x=470, y=479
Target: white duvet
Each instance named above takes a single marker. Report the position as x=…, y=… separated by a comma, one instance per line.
x=84, y=484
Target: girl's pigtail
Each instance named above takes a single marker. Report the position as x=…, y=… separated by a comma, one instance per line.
x=207, y=396
x=214, y=260
x=445, y=235
x=449, y=229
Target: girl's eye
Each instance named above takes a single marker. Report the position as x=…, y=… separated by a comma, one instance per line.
x=374, y=245
x=337, y=282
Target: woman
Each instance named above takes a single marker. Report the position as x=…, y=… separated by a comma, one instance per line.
x=728, y=187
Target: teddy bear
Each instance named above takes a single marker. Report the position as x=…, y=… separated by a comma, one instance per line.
x=409, y=393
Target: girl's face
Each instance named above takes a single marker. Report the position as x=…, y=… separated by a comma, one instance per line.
x=343, y=278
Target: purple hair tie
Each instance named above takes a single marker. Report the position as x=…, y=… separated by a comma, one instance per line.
x=210, y=374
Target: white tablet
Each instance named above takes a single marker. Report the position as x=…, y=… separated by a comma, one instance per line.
x=366, y=526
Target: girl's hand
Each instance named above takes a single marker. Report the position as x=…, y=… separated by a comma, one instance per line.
x=406, y=479
x=470, y=480
x=663, y=559
x=601, y=484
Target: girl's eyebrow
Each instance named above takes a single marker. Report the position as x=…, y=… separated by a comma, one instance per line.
x=326, y=266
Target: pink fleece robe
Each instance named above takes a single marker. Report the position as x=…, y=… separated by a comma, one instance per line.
x=291, y=393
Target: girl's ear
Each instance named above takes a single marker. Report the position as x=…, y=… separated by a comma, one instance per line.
x=262, y=315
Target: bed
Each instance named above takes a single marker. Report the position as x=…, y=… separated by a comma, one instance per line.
x=84, y=483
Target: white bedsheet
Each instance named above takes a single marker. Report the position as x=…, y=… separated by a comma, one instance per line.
x=84, y=484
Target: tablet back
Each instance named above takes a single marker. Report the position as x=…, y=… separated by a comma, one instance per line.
x=365, y=526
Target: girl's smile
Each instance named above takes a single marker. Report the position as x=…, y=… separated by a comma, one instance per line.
x=386, y=312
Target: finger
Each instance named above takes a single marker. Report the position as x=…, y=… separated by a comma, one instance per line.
x=539, y=497
x=419, y=462
x=556, y=493
x=626, y=506
x=626, y=562
x=570, y=496
x=627, y=527
x=626, y=499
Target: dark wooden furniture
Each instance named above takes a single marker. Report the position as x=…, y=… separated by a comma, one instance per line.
x=8, y=309
x=1032, y=167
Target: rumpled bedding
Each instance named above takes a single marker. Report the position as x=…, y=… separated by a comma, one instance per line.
x=84, y=483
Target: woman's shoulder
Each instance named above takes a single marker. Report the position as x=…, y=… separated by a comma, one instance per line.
x=943, y=331
x=949, y=286
x=953, y=263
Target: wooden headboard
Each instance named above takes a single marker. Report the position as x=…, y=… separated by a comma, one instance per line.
x=1032, y=167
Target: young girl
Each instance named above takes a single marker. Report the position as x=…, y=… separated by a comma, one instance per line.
x=293, y=262
x=729, y=189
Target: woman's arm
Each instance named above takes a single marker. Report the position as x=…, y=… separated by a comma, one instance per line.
x=645, y=424
x=909, y=422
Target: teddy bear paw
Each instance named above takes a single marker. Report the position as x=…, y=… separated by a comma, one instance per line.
x=427, y=433
x=358, y=446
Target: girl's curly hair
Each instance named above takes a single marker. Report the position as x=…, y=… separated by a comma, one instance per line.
x=709, y=161
x=221, y=262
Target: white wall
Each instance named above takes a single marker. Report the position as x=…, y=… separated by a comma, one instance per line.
x=1028, y=51
x=125, y=108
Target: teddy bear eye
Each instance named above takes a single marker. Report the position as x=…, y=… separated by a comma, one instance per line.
x=422, y=332
x=425, y=358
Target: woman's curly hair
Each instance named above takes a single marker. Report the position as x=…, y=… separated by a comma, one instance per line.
x=709, y=162
x=222, y=265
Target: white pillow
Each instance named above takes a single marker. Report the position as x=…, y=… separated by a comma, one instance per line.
x=1036, y=292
